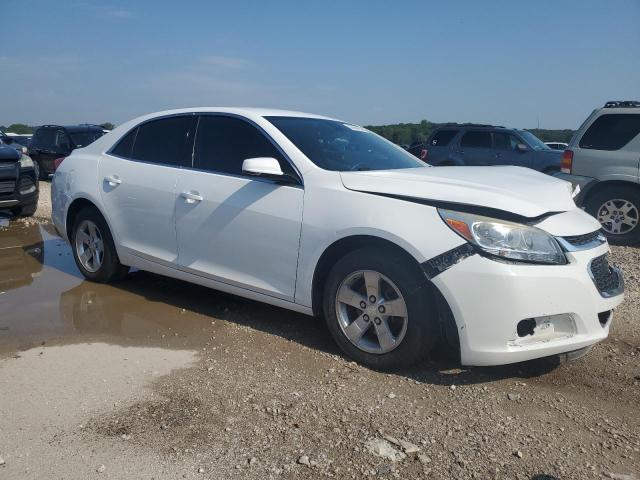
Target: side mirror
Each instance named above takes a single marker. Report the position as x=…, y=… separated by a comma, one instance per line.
x=262, y=167
x=521, y=147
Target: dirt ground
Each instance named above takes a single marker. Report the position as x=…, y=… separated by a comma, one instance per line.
x=153, y=378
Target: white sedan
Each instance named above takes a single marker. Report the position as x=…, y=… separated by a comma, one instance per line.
x=327, y=218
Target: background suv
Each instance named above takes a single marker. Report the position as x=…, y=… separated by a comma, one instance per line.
x=51, y=142
x=472, y=144
x=603, y=159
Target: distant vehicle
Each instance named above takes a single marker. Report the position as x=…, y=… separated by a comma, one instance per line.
x=603, y=159
x=54, y=142
x=556, y=145
x=12, y=141
x=474, y=145
x=325, y=217
x=18, y=182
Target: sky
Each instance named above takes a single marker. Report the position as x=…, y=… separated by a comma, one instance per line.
x=513, y=63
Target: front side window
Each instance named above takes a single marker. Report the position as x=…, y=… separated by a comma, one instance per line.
x=505, y=141
x=611, y=132
x=476, y=140
x=339, y=146
x=166, y=141
x=224, y=143
x=533, y=141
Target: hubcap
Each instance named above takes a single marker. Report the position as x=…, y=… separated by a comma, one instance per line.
x=89, y=246
x=618, y=216
x=371, y=312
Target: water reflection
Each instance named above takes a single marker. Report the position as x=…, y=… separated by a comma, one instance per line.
x=21, y=256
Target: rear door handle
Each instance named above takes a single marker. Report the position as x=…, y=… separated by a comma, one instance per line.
x=191, y=197
x=113, y=180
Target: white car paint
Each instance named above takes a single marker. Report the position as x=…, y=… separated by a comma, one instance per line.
x=263, y=240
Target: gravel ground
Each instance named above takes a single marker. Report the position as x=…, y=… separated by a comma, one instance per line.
x=266, y=394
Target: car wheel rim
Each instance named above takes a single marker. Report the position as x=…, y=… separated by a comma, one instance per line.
x=89, y=246
x=371, y=311
x=618, y=216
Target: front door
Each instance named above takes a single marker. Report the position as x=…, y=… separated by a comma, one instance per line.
x=234, y=228
x=506, y=150
x=138, y=186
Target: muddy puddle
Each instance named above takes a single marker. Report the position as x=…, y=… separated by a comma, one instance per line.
x=44, y=298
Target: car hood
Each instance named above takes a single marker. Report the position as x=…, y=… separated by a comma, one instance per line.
x=518, y=190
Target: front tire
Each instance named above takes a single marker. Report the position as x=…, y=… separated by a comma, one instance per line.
x=93, y=248
x=618, y=211
x=379, y=310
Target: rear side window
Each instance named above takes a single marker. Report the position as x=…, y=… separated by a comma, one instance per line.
x=611, y=132
x=166, y=141
x=44, y=137
x=82, y=139
x=476, y=140
x=442, y=138
x=125, y=145
x=223, y=143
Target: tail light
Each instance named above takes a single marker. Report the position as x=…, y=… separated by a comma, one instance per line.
x=57, y=162
x=423, y=154
x=566, y=162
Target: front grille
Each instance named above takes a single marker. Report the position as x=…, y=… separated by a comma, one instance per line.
x=585, y=239
x=603, y=275
x=7, y=186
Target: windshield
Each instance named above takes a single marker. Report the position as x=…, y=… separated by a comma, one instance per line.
x=533, y=141
x=341, y=147
x=82, y=139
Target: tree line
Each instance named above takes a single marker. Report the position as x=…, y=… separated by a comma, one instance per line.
x=409, y=133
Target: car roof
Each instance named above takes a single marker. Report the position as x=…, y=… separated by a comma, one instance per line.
x=245, y=111
x=83, y=127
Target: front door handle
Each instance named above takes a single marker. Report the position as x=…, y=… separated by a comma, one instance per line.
x=191, y=197
x=113, y=180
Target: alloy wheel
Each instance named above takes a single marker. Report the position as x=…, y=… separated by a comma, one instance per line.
x=371, y=312
x=618, y=216
x=89, y=246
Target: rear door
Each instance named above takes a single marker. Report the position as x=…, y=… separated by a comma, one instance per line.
x=138, y=185
x=234, y=228
x=476, y=148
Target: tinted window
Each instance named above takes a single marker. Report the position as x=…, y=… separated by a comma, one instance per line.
x=476, y=140
x=442, y=138
x=339, y=146
x=167, y=141
x=44, y=138
x=611, y=132
x=223, y=143
x=125, y=145
x=505, y=141
x=82, y=139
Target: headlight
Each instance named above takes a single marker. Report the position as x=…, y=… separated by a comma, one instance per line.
x=504, y=239
x=25, y=162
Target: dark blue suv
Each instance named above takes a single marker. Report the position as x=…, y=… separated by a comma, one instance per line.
x=472, y=144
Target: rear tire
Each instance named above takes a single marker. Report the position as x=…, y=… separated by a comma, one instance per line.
x=412, y=336
x=93, y=248
x=618, y=211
